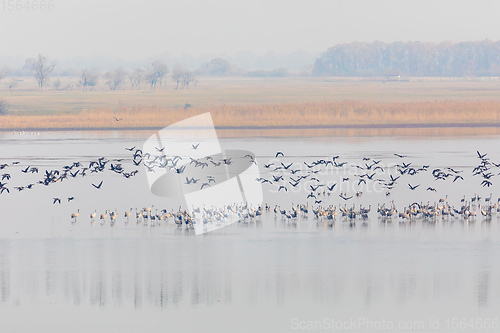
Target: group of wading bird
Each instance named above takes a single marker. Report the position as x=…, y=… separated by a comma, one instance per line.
x=370, y=172
x=283, y=178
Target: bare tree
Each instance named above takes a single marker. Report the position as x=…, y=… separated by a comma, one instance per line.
x=88, y=79
x=57, y=84
x=182, y=77
x=3, y=73
x=114, y=78
x=177, y=75
x=42, y=67
x=187, y=78
x=3, y=107
x=156, y=72
x=136, y=78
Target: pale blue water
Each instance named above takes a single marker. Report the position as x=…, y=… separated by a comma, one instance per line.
x=268, y=274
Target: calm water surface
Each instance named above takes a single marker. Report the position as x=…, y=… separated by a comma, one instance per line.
x=268, y=274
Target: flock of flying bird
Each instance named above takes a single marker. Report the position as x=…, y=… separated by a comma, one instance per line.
x=317, y=180
x=67, y=172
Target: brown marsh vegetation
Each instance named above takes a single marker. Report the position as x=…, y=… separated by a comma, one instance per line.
x=311, y=114
x=267, y=103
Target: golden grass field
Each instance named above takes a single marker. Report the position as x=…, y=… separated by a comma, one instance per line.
x=259, y=102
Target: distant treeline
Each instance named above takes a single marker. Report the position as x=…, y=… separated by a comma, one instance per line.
x=410, y=59
x=476, y=58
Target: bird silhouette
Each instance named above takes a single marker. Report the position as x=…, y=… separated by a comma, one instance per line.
x=481, y=156
x=486, y=183
x=97, y=186
x=331, y=187
x=282, y=188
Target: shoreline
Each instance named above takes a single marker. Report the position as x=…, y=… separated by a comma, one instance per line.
x=261, y=128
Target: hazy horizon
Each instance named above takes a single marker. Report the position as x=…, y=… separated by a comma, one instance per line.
x=135, y=31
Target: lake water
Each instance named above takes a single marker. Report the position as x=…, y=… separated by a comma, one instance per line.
x=267, y=274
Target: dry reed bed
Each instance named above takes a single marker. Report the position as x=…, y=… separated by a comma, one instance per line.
x=351, y=113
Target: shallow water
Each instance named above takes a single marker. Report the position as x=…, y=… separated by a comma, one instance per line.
x=267, y=274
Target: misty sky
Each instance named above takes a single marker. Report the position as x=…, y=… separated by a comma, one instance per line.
x=138, y=29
